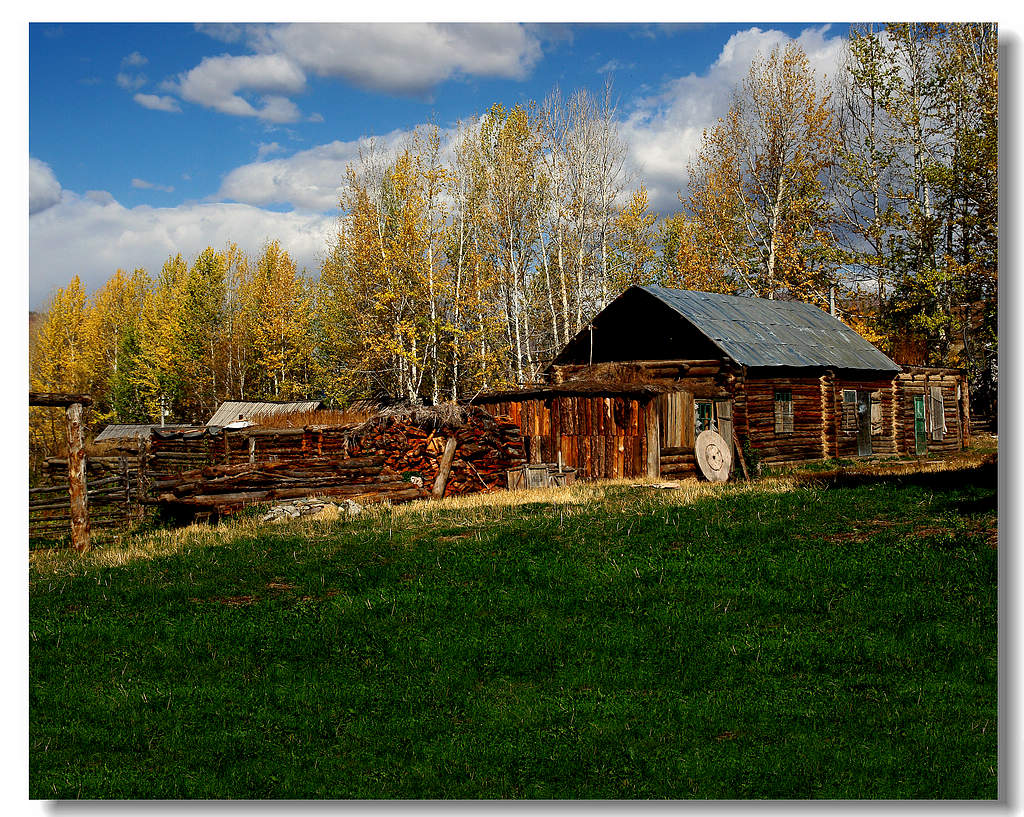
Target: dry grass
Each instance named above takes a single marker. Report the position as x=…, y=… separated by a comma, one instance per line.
x=132, y=548
x=487, y=509
x=464, y=511
x=320, y=417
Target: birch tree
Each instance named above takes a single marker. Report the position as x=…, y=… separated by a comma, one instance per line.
x=758, y=195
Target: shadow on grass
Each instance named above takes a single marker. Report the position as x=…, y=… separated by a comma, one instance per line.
x=983, y=475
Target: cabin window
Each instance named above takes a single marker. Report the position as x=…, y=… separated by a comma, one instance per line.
x=938, y=413
x=876, y=413
x=850, y=410
x=705, y=415
x=783, y=411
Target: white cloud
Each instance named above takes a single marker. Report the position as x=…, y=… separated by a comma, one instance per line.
x=133, y=60
x=158, y=103
x=266, y=148
x=307, y=180
x=225, y=32
x=615, y=65
x=142, y=184
x=218, y=82
x=403, y=57
x=93, y=235
x=44, y=190
x=664, y=130
x=131, y=82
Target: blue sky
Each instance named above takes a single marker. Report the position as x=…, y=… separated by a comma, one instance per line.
x=147, y=139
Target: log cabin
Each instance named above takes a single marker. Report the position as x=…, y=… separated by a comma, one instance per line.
x=784, y=380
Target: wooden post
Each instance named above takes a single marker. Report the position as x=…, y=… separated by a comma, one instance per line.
x=652, y=429
x=445, y=466
x=76, y=480
x=73, y=404
x=739, y=455
x=965, y=411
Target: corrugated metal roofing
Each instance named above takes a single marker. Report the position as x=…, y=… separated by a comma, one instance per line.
x=128, y=431
x=231, y=410
x=761, y=332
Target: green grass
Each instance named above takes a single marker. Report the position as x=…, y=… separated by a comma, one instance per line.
x=775, y=641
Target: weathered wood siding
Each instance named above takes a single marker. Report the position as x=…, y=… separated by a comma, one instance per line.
x=705, y=379
x=599, y=436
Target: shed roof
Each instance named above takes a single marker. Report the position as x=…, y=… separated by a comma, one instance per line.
x=130, y=431
x=231, y=410
x=758, y=332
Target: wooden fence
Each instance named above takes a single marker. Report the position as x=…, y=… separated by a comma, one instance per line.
x=115, y=491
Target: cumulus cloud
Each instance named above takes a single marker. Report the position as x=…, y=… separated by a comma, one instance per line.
x=218, y=83
x=307, y=180
x=44, y=190
x=663, y=130
x=93, y=235
x=406, y=58
x=155, y=102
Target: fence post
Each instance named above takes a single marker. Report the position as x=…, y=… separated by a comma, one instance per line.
x=76, y=480
x=72, y=404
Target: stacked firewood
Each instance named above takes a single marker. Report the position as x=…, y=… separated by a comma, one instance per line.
x=396, y=456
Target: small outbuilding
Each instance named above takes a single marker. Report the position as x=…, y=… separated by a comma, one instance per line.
x=788, y=382
x=232, y=411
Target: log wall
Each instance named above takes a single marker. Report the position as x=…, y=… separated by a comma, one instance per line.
x=702, y=378
x=843, y=442
x=754, y=417
x=915, y=381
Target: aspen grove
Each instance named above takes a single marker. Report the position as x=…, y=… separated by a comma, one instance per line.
x=465, y=259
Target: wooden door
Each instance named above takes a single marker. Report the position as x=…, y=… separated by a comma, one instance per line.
x=920, y=432
x=675, y=418
x=863, y=423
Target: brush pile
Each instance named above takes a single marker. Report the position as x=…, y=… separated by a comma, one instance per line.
x=397, y=455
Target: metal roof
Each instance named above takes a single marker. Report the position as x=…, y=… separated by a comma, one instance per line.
x=129, y=431
x=231, y=410
x=762, y=332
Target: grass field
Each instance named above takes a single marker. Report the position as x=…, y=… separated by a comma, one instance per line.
x=789, y=639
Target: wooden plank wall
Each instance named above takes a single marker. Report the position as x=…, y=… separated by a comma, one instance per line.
x=599, y=436
x=677, y=434
x=920, y=382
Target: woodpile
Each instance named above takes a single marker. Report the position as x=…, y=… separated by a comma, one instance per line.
x=396, y=456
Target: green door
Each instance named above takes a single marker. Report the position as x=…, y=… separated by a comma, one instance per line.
x=920, y=435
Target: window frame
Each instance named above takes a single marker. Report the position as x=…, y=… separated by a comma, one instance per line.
x=785, y=418
x=711, y=418
x=848, y=419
